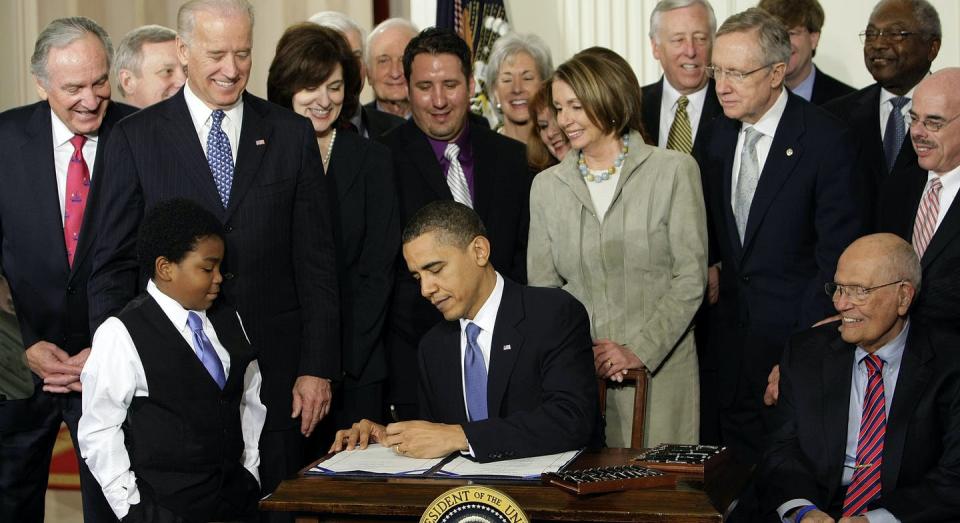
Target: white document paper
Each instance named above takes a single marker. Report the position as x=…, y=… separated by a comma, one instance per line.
x=375, y=459
x=510, y=468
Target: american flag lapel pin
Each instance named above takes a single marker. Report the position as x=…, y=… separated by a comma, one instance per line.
x=506, y=347
x=261, y=142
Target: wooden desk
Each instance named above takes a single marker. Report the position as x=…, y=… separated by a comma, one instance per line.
x=324, y=498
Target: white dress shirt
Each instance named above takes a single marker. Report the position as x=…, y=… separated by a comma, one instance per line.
x=202, y=121
x=892, y=355
x=951, y=185
x=886, y=108
x=767, y=126
x=113, y=375
x=668, y=110
x=63, y=151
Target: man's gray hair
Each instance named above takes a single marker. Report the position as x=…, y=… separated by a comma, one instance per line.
x=186, y=16
x=923, y=11
x=129, y=54
x=507, y=46
x=773, y=36
x=904, y=264
x=669, y=5
x=389, y=23
x=61, y=33
x=340, y=22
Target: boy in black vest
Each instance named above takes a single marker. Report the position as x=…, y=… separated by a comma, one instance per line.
x=171, y=391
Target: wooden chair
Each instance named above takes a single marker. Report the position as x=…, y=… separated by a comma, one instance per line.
x=640, y=378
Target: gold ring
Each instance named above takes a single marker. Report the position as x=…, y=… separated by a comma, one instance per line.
x=609, y=363
x=397, y=448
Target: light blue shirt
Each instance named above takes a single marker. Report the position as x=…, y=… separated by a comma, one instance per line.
x=805, y=89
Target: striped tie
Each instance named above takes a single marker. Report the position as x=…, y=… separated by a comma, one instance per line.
x=680, y=137
x=456, y=180
x=926, y=222
x=865, y=485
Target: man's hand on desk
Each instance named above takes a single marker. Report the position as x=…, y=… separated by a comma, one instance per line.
x=422, y=439
x=360, y=434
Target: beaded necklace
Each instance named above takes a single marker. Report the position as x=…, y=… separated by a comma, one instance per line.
x=605, y=174
x=326, y=159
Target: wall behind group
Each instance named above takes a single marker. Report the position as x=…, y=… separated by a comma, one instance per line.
x=566, y=25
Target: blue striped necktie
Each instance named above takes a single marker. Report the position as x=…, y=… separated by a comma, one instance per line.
x=205, y=351
x=865, y=485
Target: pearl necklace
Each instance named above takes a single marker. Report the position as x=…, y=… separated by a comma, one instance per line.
x=326, y=159
x=605, y=174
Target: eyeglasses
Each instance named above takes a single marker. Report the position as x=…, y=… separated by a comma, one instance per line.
x=931, y=125
x=718, y=73
x=871, y=35
x=858, y=294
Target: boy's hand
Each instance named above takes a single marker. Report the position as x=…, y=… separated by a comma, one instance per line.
x=311, y=401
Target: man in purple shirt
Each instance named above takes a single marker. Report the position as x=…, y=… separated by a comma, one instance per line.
x=439, y=155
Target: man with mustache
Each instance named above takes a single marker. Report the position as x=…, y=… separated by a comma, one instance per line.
x=442, y=154
x=923, y=208
x=901, y=40
x=52, y=164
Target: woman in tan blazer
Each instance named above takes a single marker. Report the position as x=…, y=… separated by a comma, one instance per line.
x=621, y=225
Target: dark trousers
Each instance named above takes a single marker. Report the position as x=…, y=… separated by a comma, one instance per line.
x=28, y=431
x=281, y=457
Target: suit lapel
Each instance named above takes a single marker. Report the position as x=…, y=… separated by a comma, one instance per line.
x=785, y=152
x=505, y=334
x=186, y=145
x=652, y=98
x=726, y=141
x=484, y=184
x=449, y=381
x=836, y=382
x=569, y=175
x=421, y=154
x=915, y=373
x=345, y=162
x=37, y=157
x=945, y=234
x=254, y=140
x=711, y=109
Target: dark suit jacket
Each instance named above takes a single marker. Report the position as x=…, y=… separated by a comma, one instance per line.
x=541, y=389
x=501, y=198
x=366, y=230
x=826, y=88
x=922, y=442
x=376, y=122
x=939, y=299
x=801, y=219
x=653, y=95
x=50, y=295
x=861, y=111
x=279, y=271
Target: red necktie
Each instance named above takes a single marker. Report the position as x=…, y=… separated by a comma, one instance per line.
x=928, y=212
x=865, y=485
x=75, y=198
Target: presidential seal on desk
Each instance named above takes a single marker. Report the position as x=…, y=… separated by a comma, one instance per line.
x=473, y=504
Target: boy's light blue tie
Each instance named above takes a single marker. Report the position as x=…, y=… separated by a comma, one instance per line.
x=220, y=157
x=475, y=376
x=205, y=351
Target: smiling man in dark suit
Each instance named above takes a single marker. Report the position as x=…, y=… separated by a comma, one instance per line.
x=279, y=270
x=923, y=208
x=52, y=165
x=781, y=195
x=871, y=414
x=675, y=108
x=901, y=40
x=509, y=374
x=440, y=154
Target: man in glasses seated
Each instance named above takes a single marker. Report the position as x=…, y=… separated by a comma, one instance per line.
x=871, y=412
x=782, y=203
x=901, y=40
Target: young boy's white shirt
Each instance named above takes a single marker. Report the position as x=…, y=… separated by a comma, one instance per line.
x=113, y=375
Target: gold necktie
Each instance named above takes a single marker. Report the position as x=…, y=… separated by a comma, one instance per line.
x=681, y=136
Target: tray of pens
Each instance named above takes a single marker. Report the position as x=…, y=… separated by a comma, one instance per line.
x=686, y=460
x=609, y=479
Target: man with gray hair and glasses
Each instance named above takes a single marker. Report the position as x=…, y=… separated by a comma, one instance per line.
x=52, y=158
x=870, y=413
x=369, y=121
x=256, y=166
x=782, y=202
x=145, y=66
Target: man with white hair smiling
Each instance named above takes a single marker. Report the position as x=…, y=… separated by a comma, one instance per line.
x=146, y=67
